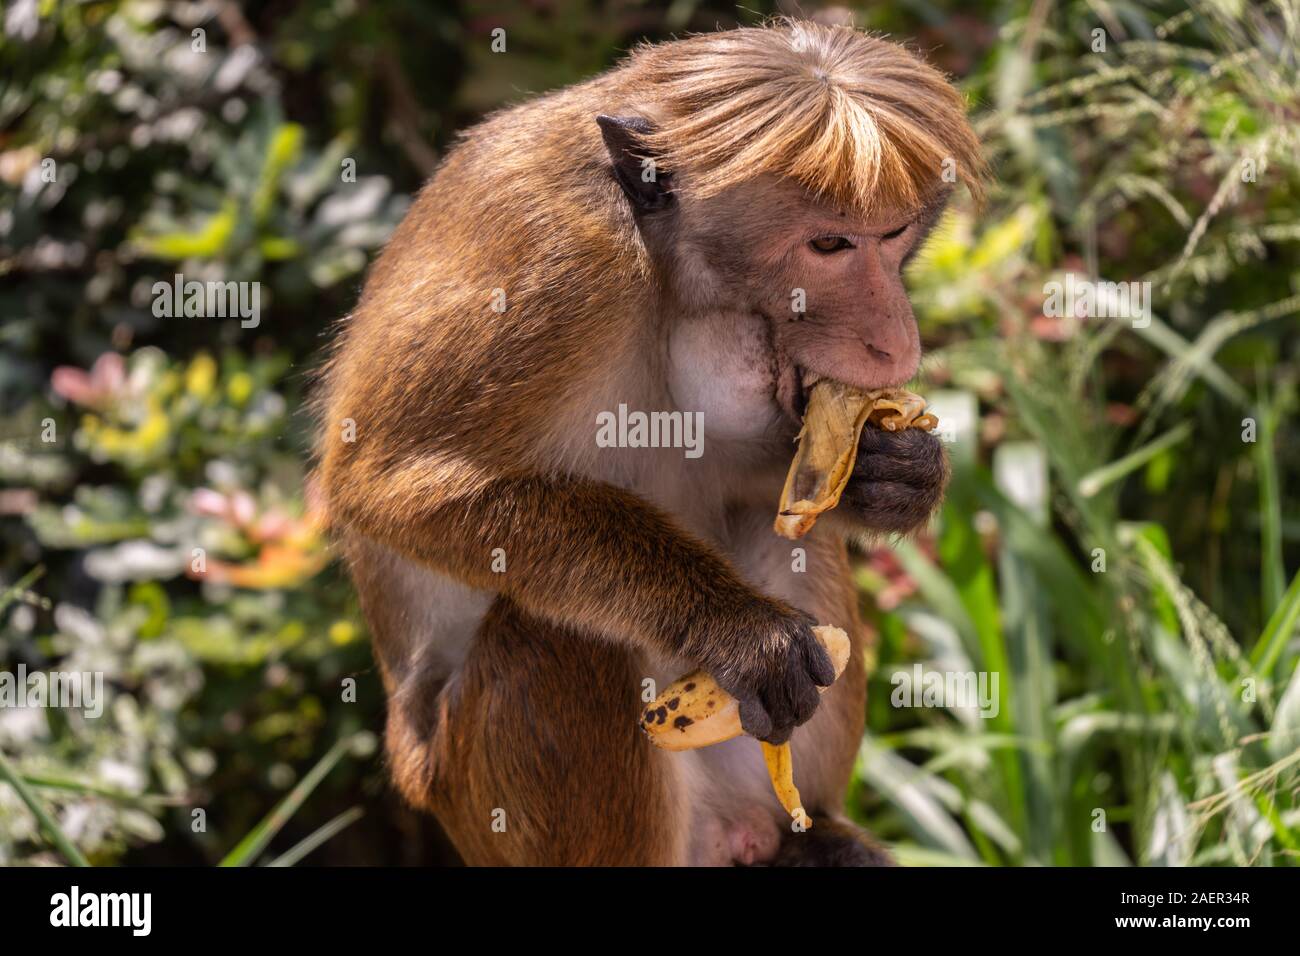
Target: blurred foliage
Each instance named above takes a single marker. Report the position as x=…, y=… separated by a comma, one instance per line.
x=1117, y=540
x=157, y=523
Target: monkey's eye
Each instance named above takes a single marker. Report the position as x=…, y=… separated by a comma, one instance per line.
x=897, y=232
x=828, y=244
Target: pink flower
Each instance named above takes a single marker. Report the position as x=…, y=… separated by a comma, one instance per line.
x=289, y=550
x=237, y=508
x=94, y=389
x=897, y=584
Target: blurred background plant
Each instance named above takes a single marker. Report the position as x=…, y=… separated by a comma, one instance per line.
x=1115, y=546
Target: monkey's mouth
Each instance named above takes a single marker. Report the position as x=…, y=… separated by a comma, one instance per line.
x=807, y=380
x=792, y=392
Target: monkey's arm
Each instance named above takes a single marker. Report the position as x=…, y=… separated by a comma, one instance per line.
x=583, y=552
x=898, y=480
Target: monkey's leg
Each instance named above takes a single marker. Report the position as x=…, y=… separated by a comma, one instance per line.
x=537, y=757
x=832, y=841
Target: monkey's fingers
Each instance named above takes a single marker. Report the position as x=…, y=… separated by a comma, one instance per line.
x=695, y=712
x=821, y=667
x=780, y=767
x=897, y=409
x=754, y=718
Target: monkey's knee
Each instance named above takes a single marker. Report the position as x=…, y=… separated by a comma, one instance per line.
x=412, y=761
x=521, y=770
x=832, y=842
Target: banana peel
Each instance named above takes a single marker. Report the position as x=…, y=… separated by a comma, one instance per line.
x=828, y=446
x=780, y=770
x=695, y=712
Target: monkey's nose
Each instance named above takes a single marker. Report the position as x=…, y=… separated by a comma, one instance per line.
x=887, y=359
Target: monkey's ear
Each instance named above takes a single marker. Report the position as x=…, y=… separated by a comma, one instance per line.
x=646, y=187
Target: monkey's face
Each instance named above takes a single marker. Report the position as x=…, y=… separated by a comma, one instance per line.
x=826, y=284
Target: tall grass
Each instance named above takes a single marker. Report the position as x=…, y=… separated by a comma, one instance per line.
x=1115, y=544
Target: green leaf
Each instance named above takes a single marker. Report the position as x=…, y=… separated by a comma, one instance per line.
x=206, y=242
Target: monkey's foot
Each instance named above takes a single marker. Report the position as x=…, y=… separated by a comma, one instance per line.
x=832, y=842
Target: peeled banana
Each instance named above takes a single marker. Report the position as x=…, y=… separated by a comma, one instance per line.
x=828, y=446
x=695, y=712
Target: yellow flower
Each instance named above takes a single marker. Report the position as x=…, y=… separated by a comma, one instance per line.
x=240, y=387
x=343, y=632
x=201, y=376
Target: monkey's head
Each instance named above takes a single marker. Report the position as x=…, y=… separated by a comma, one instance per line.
x=784, y=176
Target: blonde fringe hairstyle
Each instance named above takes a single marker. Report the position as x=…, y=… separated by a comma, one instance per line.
x=859, y=121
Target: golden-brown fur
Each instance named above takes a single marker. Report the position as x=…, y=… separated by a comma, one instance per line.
x=450, y=430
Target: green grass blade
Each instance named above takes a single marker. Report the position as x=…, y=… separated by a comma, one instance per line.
x=1073, y=592
x=252, y=845
x=962, y=555
x=19, y=587
x=55, y=835
x=305, y=846
x=937, y=591
x=1273, y=579
x=1112, y=472
x=910, y=790
x=1020, y=472
x=911, y=856
x=1278, y=631
x=44, y=781
x=1284, y=732
x=1174, y=345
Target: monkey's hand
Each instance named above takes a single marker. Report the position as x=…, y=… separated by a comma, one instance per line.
x=898, y=480
x=773, y=666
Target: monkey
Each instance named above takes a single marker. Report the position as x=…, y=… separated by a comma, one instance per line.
x=705, y=228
